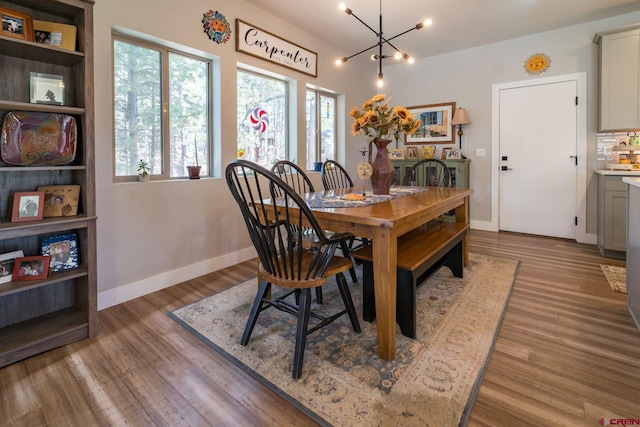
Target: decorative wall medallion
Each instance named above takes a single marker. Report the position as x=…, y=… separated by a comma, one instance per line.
x=216, y=26
x=537, y=63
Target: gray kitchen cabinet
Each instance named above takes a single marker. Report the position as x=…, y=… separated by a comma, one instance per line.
x=633, y=248
x=612, y=216
x=619, y=79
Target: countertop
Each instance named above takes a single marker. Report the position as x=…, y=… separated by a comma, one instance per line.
x=617, y=172
x=632, y=181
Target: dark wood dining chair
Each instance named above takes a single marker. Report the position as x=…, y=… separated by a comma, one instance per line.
x=428, y=173
x=297, y=179
x=273, y=212
x=335, y=176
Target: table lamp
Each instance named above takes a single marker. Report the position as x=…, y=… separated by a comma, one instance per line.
x=460, y=119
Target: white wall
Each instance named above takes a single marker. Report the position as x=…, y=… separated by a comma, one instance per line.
x=153, y=235
x=467, y=77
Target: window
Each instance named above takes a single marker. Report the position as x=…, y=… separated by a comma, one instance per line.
x=161, y=109
x=321, y=127
x=262, y=118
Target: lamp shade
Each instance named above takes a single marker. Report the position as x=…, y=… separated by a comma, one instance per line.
x=460, y=117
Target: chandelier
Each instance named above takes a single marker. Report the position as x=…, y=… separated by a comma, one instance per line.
x=398, y=55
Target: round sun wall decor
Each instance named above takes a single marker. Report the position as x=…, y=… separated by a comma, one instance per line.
x=216, y=26
x=537, y=63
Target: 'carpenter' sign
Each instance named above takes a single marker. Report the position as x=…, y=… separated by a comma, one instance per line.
x=257, y=42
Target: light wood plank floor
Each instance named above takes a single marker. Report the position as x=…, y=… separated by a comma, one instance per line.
x=568, y=353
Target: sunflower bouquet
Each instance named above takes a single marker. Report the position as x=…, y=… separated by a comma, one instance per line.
x=377, y=119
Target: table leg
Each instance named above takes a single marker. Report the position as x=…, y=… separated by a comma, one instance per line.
x=462, y=216
x=385, y=260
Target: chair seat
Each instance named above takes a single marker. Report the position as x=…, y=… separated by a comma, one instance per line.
x=337, y=265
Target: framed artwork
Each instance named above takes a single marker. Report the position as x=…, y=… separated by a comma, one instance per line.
x=412, y=152
x=445, y=152
x=27, y=206
x=16, y=24
x=435, y=125
x=60, y=200
x=46, y=89
x=55, y=34
x=396, y=153
x=62, y=251
x=31, y=268
x=7, y=262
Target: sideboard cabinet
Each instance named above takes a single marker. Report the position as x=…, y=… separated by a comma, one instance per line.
x=39, y=315
x=459, y=169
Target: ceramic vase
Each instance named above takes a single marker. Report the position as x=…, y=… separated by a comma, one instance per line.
x=383, y=170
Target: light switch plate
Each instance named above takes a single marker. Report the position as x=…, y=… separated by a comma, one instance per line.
x=481, y=152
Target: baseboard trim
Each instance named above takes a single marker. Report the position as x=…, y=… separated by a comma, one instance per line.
x=482, y=225
x=133, y=290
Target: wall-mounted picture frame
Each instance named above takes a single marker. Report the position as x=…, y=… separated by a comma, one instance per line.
x=435, y=125
x=27, y=206
x=396, y=154
x=62, y=251
x=46, y=89
x=7, y=262
x=60, y=200
x=412, y=152
x=445, y=153
x=16, y=24
x=55, y=34
x=31, y=268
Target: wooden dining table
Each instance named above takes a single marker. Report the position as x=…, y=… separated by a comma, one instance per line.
x=383, y=223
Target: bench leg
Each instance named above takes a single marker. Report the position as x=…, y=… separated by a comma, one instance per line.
x=368, y=294
x=406, y=303
x=455, y=260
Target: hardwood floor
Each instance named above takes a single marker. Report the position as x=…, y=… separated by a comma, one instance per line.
x=568, y=353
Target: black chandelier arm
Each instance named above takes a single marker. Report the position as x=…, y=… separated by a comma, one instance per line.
x=362, y=22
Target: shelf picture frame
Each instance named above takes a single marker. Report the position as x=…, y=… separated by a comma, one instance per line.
x=27, y=206
x=62, y=251
x=445, y=152
x=60, y=200
x=16, y=24
x=412, y=152
x=31, y=268
x=396, y=154
x=55, y=34
x=46, y=89
x=436, y=127
x=7, y=262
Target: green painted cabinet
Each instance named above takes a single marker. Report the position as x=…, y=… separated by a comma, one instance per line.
x=459, y=169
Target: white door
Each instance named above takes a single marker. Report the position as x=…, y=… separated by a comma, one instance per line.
x=538, y=148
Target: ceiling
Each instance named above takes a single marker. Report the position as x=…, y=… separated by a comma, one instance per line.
x=457, y=24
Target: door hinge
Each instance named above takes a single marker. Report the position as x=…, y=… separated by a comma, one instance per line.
x=576, y=220
x=576, y=100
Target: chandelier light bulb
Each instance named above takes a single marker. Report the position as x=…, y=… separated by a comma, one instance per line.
x=397, y=56
x=341, y=61
x=410, y=60
x=427, y=22
x=380, y=80
x=342, y=6
x=374, y=57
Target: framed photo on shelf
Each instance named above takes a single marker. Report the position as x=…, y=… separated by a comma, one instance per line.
x=60, y=200
x=396, y=153
x=55, y=34
x=412, y=152
x=31, y=268
x=27, y=206
x=16, y=24
x=7, y=261
x=62, y=251
x=435, y=125
x=454, y=154
x=445, y=152
x=46, y=89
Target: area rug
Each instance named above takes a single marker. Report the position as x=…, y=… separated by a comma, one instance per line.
x=616, y=276
x=432, y=381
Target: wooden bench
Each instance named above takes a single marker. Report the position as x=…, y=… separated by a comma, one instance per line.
x=420, y=253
